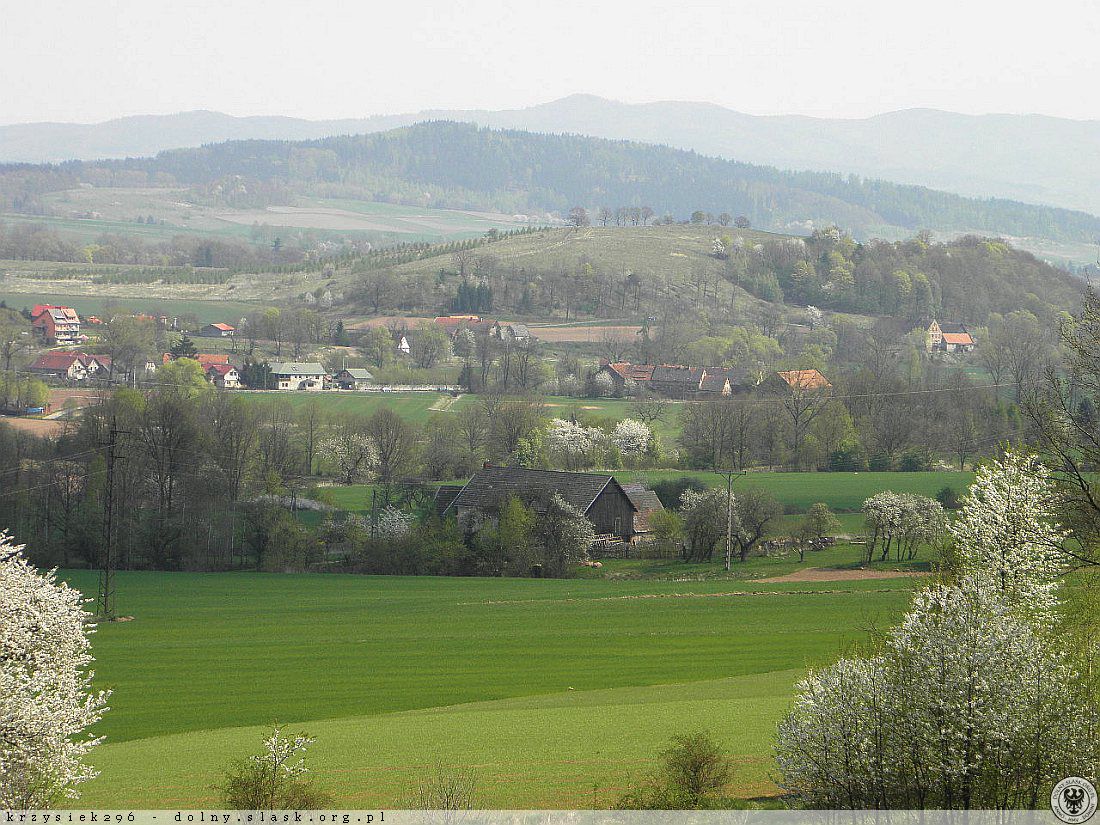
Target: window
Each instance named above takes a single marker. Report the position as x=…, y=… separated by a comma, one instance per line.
x=618, y=525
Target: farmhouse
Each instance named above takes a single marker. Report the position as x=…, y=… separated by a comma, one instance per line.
x=353, y=378
x=512, y=333
x=291, y=375
x=69, y=365
x=949, y=337
x=224, y=376
x=56, y=324
x=671, y=380
x=217, y=331
x=598, y=495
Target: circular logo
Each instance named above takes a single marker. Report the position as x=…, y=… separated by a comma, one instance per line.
x=1073, y=800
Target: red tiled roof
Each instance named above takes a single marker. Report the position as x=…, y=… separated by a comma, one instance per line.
x=804, y=379
x=635, y=372
x=223, y=327
x=220, y=369
x=958, y=338
x=204, y=358
x=59, y=360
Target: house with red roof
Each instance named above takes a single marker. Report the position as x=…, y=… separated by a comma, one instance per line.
x=69, y=365
x=218, y=331
x=949, y=337
x=224, y=376
x=56, y=324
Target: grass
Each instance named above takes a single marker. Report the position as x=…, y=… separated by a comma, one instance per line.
x=207, y=311
x=843, y=492
x=574, y=683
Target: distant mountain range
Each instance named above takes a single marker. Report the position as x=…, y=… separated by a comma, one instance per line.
x=1030, y=158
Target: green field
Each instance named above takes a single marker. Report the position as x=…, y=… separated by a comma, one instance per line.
x=207, y=311
x=843, y=492
x=559, y=693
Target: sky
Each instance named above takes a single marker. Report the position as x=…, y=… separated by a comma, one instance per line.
x=91, y=60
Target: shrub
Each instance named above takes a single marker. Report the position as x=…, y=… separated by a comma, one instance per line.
x=272, y=780
x=444, y=789
x=693, y=772
x=949, y=498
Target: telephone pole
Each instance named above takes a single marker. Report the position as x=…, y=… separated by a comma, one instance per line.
x=729, y=474
x=106, y=600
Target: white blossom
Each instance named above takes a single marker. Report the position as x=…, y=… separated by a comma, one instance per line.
x=573, y=445
x=353, y=453
x=46, y=700
x=967, y=707
x=603, y=385
x=394, y=523
x=631, y=436
x=1006, y=537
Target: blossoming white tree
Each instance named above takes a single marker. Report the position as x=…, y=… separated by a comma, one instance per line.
x=572, y=445
x=352, y=452
x=394, y=523
x=632, y=437
x=1006, y=537
x=46, y=699
x=974, y=701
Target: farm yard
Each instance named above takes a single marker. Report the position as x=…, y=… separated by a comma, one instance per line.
x=560, y=693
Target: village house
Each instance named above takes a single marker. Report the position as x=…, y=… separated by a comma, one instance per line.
x=224, y=376
x=217, y=331
x=598, y=495
x=353, y=378
x=69, y=365
x=511, y=333
x=56, y=324
x=949, y=337
x=298, y=375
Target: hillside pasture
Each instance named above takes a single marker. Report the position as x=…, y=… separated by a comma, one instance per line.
x=557, y=692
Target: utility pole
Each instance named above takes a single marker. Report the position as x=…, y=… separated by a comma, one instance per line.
x=106, y=600
x=729, y=474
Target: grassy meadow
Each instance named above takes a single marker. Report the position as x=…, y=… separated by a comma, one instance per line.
x=559, y=693
x=206, y=311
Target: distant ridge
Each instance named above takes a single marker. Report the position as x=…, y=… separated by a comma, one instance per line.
x=1030, y=158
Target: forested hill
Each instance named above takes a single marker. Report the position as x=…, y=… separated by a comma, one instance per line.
x=462, y=166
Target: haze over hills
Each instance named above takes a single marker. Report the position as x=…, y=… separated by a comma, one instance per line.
x=460, y=166
x=1031, y=158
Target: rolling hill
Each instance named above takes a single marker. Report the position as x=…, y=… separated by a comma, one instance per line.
x=1031, y=158
x=460, y=166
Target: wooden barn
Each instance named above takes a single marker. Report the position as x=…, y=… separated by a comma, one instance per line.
x=598, y=495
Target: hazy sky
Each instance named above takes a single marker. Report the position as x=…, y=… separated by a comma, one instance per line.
x=89, y=60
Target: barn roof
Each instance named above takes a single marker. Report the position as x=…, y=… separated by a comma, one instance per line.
x=492, y=486
x=358, y=373
x=644, y=501
x=676, y=374
x=444, y=495
x=804, y=379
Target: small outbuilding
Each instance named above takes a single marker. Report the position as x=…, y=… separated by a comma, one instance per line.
x=353, y=378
